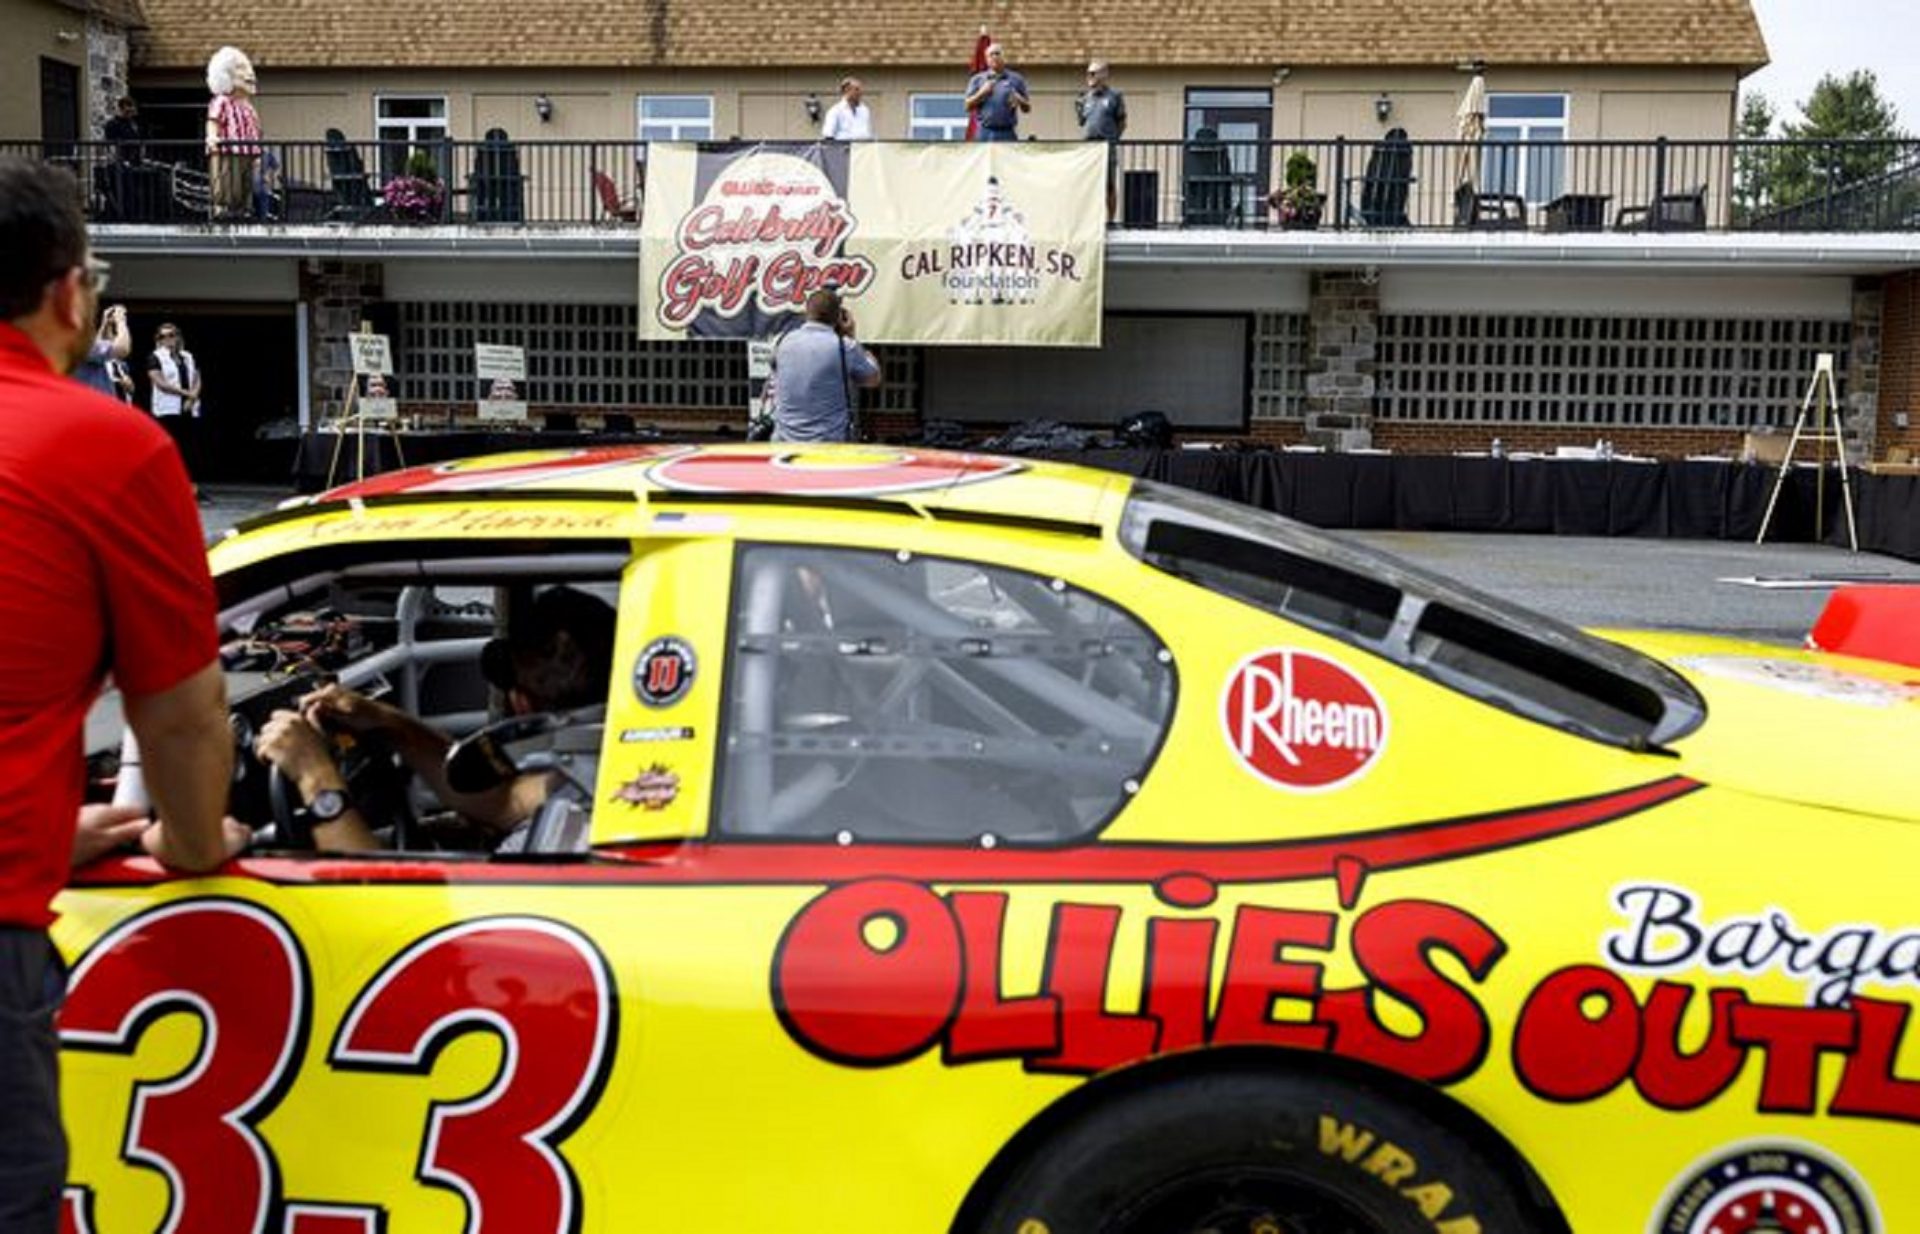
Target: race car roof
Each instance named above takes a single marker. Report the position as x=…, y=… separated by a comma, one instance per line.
x=615, y=491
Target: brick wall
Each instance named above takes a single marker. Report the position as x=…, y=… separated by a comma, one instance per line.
x=1899, y=365
x=1408, y=438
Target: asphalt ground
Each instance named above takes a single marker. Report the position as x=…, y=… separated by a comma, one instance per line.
x=1621, y=583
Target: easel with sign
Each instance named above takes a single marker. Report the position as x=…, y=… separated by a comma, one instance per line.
x=1822, y=403
x=372, y=357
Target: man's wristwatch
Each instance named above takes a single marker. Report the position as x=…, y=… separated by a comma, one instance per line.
x=327, y=805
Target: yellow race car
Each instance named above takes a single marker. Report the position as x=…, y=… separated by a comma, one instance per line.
x=989, y=846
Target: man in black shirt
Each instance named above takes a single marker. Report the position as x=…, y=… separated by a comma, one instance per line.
x=124, y=132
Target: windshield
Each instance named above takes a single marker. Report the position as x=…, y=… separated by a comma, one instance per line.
x=1496, y=652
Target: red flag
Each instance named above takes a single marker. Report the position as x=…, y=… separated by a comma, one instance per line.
x=977, y=65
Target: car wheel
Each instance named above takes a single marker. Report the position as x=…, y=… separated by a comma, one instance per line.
x=1256, y=1152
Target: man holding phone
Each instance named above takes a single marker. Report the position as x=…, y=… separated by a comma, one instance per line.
x=998, y=95
x=815, y=369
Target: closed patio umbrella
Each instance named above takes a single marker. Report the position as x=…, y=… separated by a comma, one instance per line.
x=1472, y=117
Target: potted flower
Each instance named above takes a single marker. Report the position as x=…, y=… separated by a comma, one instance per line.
x=418, y=195
x=1299, y=204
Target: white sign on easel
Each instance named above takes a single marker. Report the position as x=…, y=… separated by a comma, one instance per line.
x=501, y=368
x=371, y=355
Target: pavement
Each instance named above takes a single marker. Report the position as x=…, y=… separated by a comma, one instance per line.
x=1620, y=583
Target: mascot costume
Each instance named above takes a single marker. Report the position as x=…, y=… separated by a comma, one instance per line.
x=233, y=133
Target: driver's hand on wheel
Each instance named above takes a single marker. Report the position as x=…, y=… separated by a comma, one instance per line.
x=336, y=707
x=291, y=743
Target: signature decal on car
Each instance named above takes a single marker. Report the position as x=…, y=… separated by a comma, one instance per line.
x=1301, y=721
x=1789, y=1187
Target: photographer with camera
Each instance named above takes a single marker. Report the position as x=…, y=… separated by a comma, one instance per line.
x=109, y=350
x=815, y=369
x=998, y=95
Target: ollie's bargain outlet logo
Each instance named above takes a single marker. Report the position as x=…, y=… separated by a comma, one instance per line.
x=1301, y=721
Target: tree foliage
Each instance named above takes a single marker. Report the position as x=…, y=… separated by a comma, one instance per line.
x=1856, y=138
x=1751, y=165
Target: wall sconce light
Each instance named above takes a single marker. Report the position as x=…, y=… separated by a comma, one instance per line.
x=543, y=107
x=1280, y=74
x=1382, y=107
x=811, y=105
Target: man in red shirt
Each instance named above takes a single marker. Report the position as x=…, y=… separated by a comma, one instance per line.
x=101, y=569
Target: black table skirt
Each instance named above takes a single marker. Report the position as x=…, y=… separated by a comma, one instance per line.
x=1570, y=497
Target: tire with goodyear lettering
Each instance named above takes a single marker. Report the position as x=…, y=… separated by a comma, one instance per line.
x=1259, y=1152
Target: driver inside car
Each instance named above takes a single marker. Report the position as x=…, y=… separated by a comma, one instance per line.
x=558, y=657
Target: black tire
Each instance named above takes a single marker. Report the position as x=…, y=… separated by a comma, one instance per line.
x=1247, y=1151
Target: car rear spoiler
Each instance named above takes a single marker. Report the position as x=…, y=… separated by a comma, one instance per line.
x=1874, y=622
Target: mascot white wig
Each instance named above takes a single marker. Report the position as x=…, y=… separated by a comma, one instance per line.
x=229, y=70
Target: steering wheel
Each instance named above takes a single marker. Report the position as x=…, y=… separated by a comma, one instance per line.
x=375, y=784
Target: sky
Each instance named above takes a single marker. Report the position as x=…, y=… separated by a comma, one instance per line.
x=1808, y=38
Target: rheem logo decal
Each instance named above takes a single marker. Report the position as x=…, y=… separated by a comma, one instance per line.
x=1300, y=721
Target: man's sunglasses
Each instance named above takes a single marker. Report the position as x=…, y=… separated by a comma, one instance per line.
x=94, y=274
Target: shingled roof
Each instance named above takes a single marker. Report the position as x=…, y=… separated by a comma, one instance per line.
x=834, y=33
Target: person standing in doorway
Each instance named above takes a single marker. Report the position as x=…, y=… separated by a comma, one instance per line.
x=175, y=378
x=999, y=95
x=850, y=119
x=1103, y=117
x=101, y=571
x=815, y=370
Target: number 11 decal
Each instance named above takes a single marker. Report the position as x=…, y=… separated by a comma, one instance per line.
x=547, y=993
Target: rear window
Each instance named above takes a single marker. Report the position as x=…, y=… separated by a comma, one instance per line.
x=1499, y=653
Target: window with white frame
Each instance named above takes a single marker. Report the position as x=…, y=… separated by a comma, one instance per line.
x=1524, y=154
x=937, y=117
x=675, y=117
x=404, y=124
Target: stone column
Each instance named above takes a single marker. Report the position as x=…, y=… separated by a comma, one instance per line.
x=106, y=73
x=336, y=294
x=1861, y=412
x=1343, y=320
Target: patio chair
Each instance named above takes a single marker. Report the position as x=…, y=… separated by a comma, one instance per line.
x=1667, y=212
x=1386, y=185
x=496, y=190
x=354, y=199
x=1478, y=211
x=625, y=210
x=1210, y=189
x=190, y=190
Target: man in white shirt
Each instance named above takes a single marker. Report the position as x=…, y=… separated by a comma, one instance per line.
x=849, y=119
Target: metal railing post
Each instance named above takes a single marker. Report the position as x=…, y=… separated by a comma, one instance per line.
x=1336, y=200
x=1659, y=183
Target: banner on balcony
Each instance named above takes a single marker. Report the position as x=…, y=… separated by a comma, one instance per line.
x=995, y=243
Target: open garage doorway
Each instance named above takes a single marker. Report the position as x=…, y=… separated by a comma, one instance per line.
x=248, y=356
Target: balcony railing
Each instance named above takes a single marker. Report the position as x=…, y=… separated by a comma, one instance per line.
x=1340, y=184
